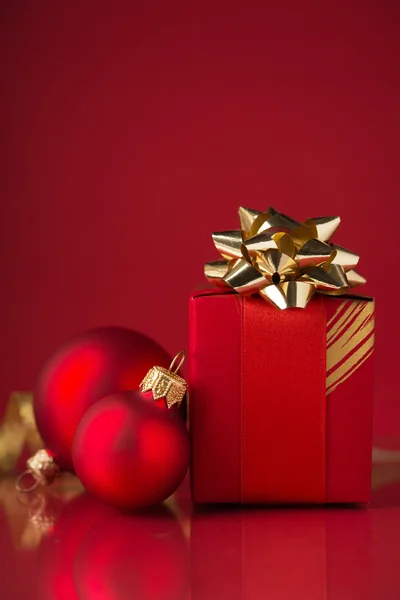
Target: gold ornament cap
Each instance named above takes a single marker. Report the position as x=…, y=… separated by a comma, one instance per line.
x=42, y=467
x=165, y=383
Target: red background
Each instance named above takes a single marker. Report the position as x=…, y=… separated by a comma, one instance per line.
x=132, y=130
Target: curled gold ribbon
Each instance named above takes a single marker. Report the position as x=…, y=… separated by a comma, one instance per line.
x=283, y=260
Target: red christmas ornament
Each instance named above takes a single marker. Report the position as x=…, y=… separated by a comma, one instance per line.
x=89, y=367
x=41, y=469
x=130, y=449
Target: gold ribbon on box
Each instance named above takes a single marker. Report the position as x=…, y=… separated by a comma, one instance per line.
x=283, y=260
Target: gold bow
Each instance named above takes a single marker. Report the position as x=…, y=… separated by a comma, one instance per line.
x=283, y=260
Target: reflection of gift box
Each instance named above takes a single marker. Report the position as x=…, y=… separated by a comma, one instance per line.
x=282, y=555
x=281, y=401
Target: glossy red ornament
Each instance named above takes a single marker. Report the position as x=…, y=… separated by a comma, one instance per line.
x=89, y=367
x=131, y=451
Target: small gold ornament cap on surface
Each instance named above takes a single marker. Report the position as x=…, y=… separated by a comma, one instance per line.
x=165, y=383
x=42, y=467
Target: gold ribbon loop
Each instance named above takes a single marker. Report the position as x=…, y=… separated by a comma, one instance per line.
x=244, y=278
x=314, y=252
x=332, y=280
x=326, y=227
x=272, y=220
x=346, y=258
x=228, y=243
x=291, y=294
x=216, y=271
x=285, y=244
x=247, y=217
x=354, y=279
x=283, y=260
x=304, y=232
x=261, y=242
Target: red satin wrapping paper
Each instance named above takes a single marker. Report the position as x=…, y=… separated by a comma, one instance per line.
x=263, y=429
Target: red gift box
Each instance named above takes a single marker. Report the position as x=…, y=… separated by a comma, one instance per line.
x=281, y=401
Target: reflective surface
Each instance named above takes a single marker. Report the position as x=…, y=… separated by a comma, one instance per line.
x=61, y=544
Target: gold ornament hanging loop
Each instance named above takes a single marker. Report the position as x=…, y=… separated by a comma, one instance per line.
x=181, y=354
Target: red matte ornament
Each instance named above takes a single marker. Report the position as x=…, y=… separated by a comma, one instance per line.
x=131, y=450
x=85, y=369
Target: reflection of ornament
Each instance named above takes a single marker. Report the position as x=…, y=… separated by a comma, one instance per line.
x=90, y=366
x=130, y=450
x=130, y=556
x=283, y=260
x=42, y=519
x=57, y=551
x=18, y=431
x=31, y=516
x=43, y=512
